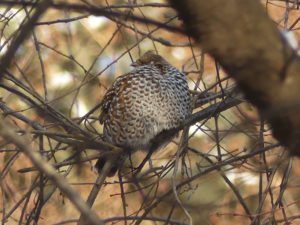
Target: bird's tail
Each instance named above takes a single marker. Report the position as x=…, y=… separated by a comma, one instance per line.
x=115, y=167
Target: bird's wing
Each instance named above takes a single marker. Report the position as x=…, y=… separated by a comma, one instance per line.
x=117, y=87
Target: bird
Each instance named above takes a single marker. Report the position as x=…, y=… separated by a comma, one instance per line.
x=143, y=108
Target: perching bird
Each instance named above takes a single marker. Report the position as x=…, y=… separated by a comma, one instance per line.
x=142, y=107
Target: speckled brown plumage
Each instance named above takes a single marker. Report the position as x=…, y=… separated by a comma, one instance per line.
x=144, y=103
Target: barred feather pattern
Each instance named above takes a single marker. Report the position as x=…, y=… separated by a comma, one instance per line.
x=141, y=104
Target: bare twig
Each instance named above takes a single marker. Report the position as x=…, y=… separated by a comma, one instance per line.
x=21, y=142
x=5, y=60
x=96, y=188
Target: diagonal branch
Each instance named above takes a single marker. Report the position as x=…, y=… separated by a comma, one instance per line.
x=25, y=31
x=251, y=49
x=22, y=143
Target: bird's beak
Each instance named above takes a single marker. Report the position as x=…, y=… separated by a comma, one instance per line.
x=134, y=64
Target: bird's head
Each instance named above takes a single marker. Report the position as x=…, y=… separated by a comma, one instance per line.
x=149, y=58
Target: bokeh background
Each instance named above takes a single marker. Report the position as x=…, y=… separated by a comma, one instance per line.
x=70, y=60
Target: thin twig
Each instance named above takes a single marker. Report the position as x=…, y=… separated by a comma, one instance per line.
x=21, y=142
x=5, y=60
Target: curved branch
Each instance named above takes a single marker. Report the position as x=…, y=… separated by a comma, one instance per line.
x=248, y=45
x=24, y=32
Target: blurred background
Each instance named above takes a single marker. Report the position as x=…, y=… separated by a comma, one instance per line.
x=63, y=71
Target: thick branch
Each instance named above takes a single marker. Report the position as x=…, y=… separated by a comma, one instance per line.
x=250, y=48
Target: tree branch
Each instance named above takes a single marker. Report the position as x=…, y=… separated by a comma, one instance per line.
x=250, y=48
x=24, y=32
x=22, y=143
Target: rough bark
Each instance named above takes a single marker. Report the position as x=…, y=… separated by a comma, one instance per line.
x=239, y=35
